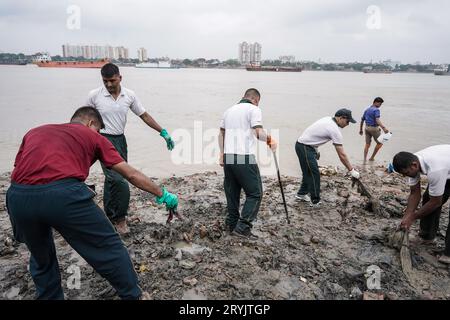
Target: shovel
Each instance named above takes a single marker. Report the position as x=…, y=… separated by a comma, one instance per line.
x=281, y=186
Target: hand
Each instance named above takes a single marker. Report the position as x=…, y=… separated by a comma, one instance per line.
x=221, y=163
x=385, y=130
x=168, y=138
x=360, y=132
x=170, y=199
x=272, y=143
x=355, y=174
x=407, y=221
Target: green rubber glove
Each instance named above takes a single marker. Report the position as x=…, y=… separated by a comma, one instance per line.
x=168, y=138
x=170, y=199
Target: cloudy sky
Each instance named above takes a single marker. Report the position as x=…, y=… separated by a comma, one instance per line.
x=337, y=31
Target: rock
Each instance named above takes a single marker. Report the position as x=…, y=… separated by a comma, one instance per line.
x=187, y=264
x=372, y=296
x=178, y=255
x=356, y=293
x=203, y=232
x=191, y=281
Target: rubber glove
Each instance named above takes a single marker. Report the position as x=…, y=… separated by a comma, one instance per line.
x=355, y=174
x=272, y=143
x=170, y=199
x=168, y=138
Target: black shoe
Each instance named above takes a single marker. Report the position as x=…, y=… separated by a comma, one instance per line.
x=246, y=235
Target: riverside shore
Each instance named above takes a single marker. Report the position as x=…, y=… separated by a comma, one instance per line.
x=323, y=253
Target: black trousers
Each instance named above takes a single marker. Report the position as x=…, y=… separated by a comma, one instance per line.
x=429, y=225
x=242, y=172
x=67, y=206
x=307, y=156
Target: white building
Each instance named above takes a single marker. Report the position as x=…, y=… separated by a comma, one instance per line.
x=95, y=51
x=249, y=53
x=142, y=54
x=287, y=59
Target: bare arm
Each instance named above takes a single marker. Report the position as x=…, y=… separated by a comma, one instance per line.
x=137, y=178
x=361, y=127
x=343, y=157
x=260, y=133
x=221, y=144
x=381, y=125
x=148, y=119
x=413, y=199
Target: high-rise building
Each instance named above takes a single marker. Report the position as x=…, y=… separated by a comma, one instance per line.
x=142, y=54
x=95, y=52
x=249, y=53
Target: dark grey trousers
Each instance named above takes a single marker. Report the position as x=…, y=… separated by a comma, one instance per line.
x=242, y=172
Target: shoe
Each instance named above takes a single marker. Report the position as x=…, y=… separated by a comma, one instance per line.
x=246, y=235
x=444, y=259
x=315, y=205
x=303, y=197
x=122, y=227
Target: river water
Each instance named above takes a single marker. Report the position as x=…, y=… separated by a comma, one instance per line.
x=190, y=103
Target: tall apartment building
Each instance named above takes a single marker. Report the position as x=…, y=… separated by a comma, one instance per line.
x=142, y=54
x=249, y=53
x=95, y=52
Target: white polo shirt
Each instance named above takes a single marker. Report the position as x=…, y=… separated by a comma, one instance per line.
x=435, y=164
x=238, y=122
x=320, y=132
x=114, y=112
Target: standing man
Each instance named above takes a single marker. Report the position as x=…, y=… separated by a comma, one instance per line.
x=47, y=192
x=373, y=124
x=434, y=162
x=240, y=128
x=113, y=102
x=307, y=146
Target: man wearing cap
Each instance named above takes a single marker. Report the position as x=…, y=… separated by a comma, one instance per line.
x=373, y=128
x=113, y=102
x=434, y=162
x=307, y=145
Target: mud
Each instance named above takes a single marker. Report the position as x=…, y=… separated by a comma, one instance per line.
x=323, y=253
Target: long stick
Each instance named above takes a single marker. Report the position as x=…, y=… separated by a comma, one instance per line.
x=281, y=186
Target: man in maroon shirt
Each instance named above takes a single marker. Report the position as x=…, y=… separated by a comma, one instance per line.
x=47, y=191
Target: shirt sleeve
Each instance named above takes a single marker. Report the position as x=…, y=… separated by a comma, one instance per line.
x=90, y=100
x=106, y=152
x=222, y=121
x=436, y=182
x=363, y=118
x=19, y=153
x=336, y=137
x=136, y=107
x=256, y=117
x=377, y=113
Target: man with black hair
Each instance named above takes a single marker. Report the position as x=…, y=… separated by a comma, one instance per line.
x=240, y=127
x=113, y=102
x=371, y=117
x=48, y=192
x=307, y=146
x=434, y=162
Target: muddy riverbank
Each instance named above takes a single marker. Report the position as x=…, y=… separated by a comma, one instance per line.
x=323, y=253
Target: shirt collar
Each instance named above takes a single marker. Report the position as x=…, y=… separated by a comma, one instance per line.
x=107, y=94
x=423, y=166
x=245, y=101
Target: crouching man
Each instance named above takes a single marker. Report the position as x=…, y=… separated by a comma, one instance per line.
x=434, y=162
x=47, y=191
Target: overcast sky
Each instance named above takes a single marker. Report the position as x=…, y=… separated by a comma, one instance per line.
x=335, y=31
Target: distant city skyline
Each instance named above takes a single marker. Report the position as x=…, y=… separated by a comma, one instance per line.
x=345, y=31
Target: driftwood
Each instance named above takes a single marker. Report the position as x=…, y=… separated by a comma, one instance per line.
x=400, y=241
x=363, y=190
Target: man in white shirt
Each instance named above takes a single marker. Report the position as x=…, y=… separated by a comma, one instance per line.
x=434, y=162
x=306, y=147
x=240, y=128
x=113, y=102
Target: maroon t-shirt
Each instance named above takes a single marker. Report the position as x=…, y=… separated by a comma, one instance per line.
x=59, y=151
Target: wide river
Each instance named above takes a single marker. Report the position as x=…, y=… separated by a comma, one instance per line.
x=190, y=103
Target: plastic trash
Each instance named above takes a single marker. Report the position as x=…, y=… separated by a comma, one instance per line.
x=385, y=137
